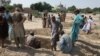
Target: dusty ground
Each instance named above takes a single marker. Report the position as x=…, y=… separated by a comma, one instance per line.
x=87, y=45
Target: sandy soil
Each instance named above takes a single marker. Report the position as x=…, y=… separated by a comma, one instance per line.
x=87, y=45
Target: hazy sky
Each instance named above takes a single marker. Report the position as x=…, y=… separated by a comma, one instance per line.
x=67, y=3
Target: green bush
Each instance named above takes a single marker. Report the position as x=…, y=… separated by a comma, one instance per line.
x=9, y=7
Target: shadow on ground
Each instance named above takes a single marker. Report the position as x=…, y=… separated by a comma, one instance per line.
x=30, y=51
x=82, y=48
x=85, y=49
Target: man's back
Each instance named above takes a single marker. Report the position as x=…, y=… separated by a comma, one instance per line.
x=65, y=43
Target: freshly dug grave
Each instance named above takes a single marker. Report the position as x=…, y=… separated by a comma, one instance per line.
x=82, y=48
x=44, y=31
x=47, y=31
x=45, y=42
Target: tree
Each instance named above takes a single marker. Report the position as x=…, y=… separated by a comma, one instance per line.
x=9, y=7
x=47, y=6
x=96, y=10
x=71, y=9
x=18, y=5
x=88, y=10
x=32, y=6
x=41, y=6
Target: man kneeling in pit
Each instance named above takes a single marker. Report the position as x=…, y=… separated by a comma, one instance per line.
x=32, y=41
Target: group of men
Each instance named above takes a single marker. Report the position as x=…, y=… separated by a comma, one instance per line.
x=66, y=42
x=58, y=36
x=11, y=26
x=86, y=26
x=47, y=19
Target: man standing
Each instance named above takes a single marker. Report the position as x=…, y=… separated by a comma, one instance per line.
x=56, y=27
x=19, y=30
x=8, y=17
x=44, y=20
x=76, y=26
x=49, y=21
x=3, y=27
x=30, y=16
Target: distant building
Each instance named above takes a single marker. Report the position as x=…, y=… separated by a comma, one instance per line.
x=60, y=8
x=3, y=2
x=27, y=10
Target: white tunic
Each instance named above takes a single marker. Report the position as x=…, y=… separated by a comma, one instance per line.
x=29, y=38
x=88, y=25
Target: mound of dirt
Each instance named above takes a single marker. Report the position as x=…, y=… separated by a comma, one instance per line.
x=44, y=31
